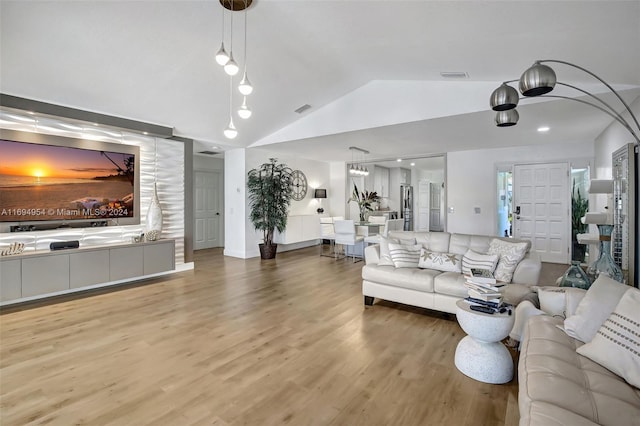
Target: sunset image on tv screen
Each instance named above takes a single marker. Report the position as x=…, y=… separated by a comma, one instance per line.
x=49, y=182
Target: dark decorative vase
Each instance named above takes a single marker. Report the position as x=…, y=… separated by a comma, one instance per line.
x=575, y=277
x=268, y=252
x=605, y=263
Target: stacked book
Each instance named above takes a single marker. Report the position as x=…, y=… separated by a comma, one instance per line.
x=482, y=289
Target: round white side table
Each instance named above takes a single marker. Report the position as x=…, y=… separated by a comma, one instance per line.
x=481, y=355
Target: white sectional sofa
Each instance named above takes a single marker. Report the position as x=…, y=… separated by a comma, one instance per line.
x=433, y=289
x=582, y=380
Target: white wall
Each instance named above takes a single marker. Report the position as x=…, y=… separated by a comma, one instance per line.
x=236, y=218
x=611, y=139
x=471, y=180
x=241, y=239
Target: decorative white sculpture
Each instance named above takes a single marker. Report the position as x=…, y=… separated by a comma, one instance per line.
x=154, y=217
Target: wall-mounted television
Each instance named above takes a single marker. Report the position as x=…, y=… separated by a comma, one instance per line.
x=47, y=179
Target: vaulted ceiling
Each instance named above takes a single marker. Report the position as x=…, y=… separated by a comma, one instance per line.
x=369, y=69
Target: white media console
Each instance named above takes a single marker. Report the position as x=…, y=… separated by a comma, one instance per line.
x=43, y=273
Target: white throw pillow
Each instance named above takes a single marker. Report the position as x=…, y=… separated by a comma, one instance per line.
x=616, y=345
x=405, y=256
x=385, y=257
x=472, y=259
x=594, y=308
x=510, y=255
x=445, y=262
x=552, y=300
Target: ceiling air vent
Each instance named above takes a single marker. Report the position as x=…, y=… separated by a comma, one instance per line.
x=209, y=152
x=303, y=108
x=454, y=74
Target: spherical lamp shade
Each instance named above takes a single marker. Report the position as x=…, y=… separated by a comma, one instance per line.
x=537, y=80
x=244, y=111
x=222, y=57
x=504, y=98
x=245, y=86
x=507, y=118
x=231, y=67
x=230, y=132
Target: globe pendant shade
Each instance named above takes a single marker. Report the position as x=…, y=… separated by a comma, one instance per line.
x=504, y=98
x=231, y=68
x=244, y=112
x=230, y=132
x=507, y=118
x=245, y=86
x=222, y=57
x=537, y=80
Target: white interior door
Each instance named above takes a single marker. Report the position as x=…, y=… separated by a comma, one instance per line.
x=541, y=209
x=435, y=218
x=423, y=205
x=208, y=216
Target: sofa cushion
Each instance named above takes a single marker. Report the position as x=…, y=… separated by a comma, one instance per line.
x=473, y=259
x=445, y=262
x=451, y=284
x=510, y=255
x=460, y=243
x=594, y=308
x=434, y=241
x=616, y=346
x=411, y=278
x=405, y=256
x=552, y=374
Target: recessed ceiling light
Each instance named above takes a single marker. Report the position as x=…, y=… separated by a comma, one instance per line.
x=215, y=147
x=399, y=160
x=413, y=164
x=454, y=74
x=145, y=133
x=543, y=129
x=95, y=124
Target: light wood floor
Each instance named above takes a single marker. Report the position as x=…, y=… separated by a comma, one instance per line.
x=239, y=342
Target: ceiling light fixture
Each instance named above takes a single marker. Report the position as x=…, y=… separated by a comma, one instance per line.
x=541, y=79
x=245, y=86
x=222, y=57
x=230, y=132
x=231, y=68
x=244, y=112
x=358, y=169
x=543, y=129
x=399, y=160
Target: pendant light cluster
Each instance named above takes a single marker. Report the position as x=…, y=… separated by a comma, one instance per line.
x=231, y=67
x=358, y=169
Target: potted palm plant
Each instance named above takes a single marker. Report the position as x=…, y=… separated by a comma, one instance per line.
x=365, y=201
x=270, y=190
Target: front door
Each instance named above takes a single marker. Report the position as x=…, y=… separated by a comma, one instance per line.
x=541, y=209
x=207, y=210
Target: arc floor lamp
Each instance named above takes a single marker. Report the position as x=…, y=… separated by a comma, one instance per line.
x=539, y=80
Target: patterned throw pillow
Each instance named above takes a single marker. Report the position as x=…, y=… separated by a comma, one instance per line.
x=385, y=256
x=405, y=256
x=510, y=255
x=616, y=345
x=472, y=259
x=445, y=262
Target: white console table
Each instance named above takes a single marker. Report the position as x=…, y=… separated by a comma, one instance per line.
x=299, y=228
x=39, y=274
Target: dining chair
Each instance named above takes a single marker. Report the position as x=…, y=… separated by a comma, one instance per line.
x=345, y=233
x=327, y=233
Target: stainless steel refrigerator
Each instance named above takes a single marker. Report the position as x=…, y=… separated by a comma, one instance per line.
x=406, y=206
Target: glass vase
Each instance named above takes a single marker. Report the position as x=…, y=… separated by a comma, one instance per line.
x=575, y=277
x=605, y=264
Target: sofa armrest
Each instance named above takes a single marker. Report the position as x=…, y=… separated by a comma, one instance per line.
x=528, y=270
x=372, y=254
